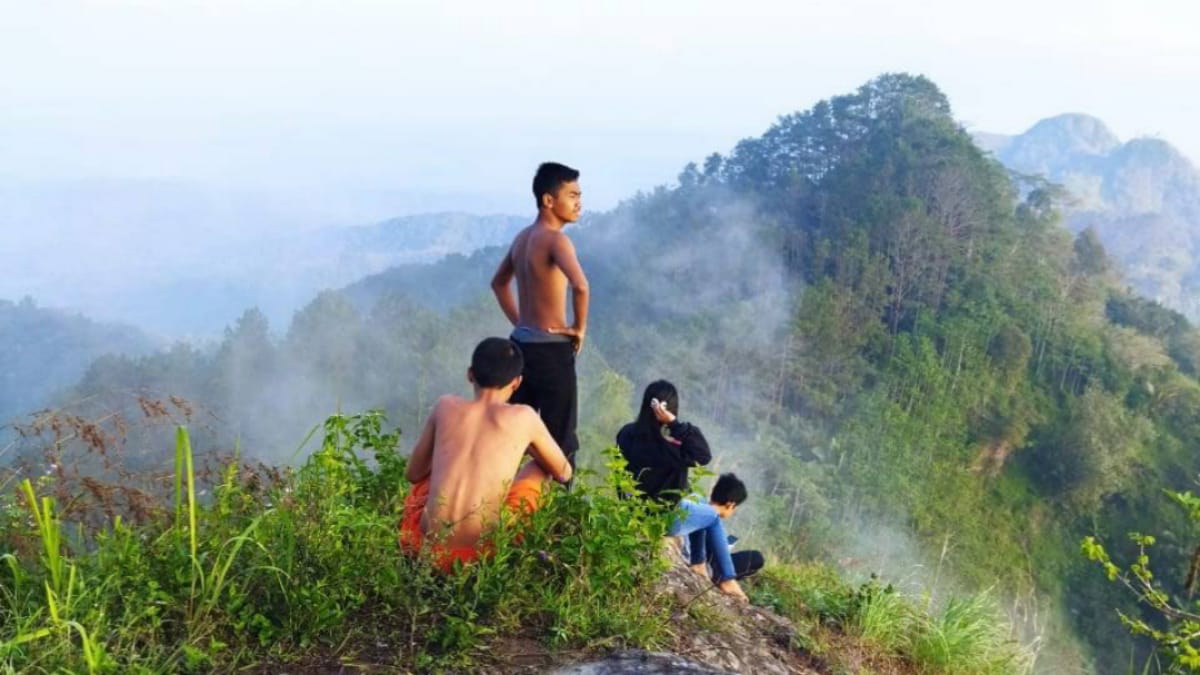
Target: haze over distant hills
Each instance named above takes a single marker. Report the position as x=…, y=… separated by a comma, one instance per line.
x=44, y=351
x=86, y=263
x=184, y=261
x=279, y=273
x=1142, y=197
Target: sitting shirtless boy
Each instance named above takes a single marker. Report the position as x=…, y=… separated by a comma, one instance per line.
x=463, y=464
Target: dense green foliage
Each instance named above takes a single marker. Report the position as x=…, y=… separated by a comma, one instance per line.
x=889, y=334
x=305, y=565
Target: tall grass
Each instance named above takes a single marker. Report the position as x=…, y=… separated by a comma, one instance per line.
x=256, y=566
x=286, y=566
x=885, y=618
x=968, y=635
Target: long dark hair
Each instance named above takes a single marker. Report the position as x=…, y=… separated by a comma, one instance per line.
x=647, y=424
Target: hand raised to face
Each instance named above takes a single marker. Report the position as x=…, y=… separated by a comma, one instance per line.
x=661, y=413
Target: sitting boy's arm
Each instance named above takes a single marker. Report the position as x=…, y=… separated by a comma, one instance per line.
x=545, y=451
x=420, y=462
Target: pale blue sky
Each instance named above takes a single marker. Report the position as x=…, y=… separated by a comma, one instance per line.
x=442, y=98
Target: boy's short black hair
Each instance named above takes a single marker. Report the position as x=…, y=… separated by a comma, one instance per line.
x=729, y=488
x=496, y=362
x=549, y=177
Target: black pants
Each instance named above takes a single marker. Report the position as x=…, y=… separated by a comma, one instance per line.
x=745, y=563
x=548, y=386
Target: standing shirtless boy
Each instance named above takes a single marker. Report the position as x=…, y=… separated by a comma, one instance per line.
x=462, y=467
x=543, y=261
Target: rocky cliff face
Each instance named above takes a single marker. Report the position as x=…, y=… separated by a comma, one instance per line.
x=1141, y=196
x=712, y=634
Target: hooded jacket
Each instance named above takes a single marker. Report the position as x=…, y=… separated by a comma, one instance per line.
x=660, y=462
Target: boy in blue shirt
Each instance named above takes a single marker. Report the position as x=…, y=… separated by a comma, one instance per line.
x=727, y=494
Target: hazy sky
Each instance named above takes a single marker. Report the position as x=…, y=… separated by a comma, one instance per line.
x=448, y=98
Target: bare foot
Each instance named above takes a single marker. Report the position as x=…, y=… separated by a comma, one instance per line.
x=700, y=568
x=732, y=587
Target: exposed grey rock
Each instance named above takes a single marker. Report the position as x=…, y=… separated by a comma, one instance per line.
x=639, y=663
x=713, y=634
x=734, y=637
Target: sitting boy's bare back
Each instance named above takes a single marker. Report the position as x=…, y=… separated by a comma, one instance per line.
x=470, y=451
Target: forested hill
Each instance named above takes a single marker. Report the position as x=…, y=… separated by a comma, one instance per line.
x=917, y=364
x=1141, y=196
x=45, y=351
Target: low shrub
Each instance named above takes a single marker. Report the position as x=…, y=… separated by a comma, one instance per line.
x=280, y=566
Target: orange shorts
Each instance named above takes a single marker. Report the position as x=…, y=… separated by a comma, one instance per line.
x=522, y=497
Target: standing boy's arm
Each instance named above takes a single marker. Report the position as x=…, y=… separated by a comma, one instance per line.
x=502, y=287
x=420, y=463
x=563, y=252
x=544, y=449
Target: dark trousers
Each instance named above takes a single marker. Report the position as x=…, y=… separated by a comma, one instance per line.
x=548, y=386
x=745, y=563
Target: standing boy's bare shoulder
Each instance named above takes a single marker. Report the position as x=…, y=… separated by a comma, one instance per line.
x=518, y=242
x=544, y=240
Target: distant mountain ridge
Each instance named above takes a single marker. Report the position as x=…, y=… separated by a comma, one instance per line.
x=427, y=237
x=44, y=351
x=184, y=261
x=279, y=273
x=1142, y=196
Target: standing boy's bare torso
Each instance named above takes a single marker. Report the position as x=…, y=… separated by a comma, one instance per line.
x=541, y=284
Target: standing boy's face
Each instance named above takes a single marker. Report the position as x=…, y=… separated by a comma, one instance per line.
x=567, y=202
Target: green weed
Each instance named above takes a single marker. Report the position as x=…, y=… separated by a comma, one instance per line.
x=279, y=566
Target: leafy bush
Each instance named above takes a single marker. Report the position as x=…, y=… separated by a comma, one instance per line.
x=293, y=565
x=1175, y=624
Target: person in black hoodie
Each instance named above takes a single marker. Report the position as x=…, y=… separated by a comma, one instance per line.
x=659, y=449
